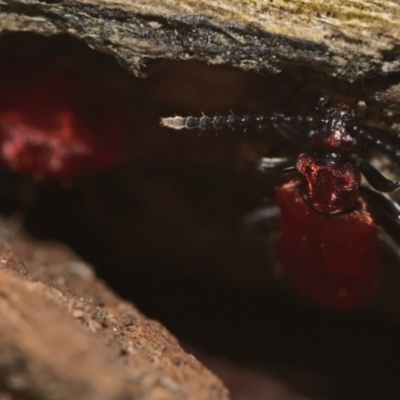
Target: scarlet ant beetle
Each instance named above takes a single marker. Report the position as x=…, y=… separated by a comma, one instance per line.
x=329, y=242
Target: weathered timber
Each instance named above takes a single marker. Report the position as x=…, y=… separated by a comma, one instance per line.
x=350, y=39
x=65, y=335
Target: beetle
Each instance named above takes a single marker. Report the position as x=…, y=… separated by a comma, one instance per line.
x=329, y=243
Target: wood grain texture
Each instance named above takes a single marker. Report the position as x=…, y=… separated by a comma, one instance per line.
x=350, y=39
x=65, y=335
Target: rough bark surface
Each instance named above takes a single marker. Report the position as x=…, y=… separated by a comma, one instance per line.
x=351, y=39
x=64, y=335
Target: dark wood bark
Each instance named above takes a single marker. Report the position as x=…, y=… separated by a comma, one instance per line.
x=349, y=39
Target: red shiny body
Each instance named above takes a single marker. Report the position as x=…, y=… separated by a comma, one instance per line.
x=332, y=260
x=54, y=122
x=329, y=241
x=329, y=244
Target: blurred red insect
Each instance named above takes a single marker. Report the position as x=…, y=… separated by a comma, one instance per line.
x=329, y=244
x=54, y=123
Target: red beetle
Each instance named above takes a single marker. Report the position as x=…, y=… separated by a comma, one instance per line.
x=329, y=242
x=54, y=122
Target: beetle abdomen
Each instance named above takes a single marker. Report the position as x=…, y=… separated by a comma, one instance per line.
x=332, y=259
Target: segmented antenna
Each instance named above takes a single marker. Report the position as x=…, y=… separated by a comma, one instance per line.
x=232, y=121
x=388, y=148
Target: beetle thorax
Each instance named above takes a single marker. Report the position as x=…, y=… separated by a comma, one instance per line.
x=330, y=183
x=333, y=134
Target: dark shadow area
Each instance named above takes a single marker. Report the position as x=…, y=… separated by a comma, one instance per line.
x=164, y=227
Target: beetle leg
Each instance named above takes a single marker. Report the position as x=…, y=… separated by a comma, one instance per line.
x=389, y=246
x=264, y=217
x=386, y=208
x=272, y=164
x=390, y=252
x=376, y=179
x=264, y=222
